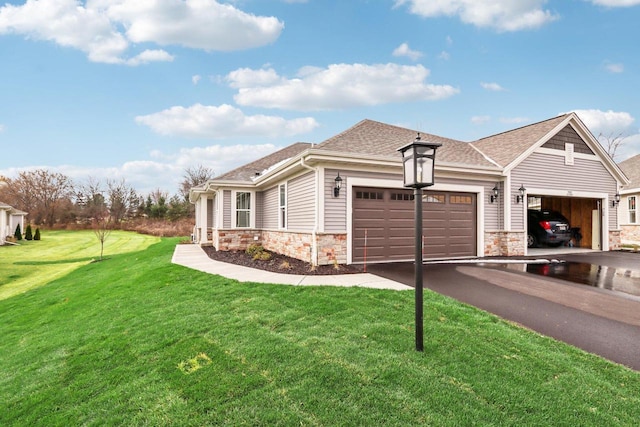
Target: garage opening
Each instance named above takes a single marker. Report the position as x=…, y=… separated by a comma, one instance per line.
x=583, y=216
x=383, y=224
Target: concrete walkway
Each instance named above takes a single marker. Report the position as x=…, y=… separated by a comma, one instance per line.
x=192, y=256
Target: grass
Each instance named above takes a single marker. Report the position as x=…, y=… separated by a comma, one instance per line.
x=135, y=340
x=35, y=263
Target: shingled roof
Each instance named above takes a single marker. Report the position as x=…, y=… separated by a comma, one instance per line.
x=631, y=168
x=506, y=147
x=369, y=137
x=249, y=171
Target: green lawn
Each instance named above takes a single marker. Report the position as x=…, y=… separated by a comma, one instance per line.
x=135, y=340
x=35, y=263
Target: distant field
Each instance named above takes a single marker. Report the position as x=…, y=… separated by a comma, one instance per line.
x=35, y=262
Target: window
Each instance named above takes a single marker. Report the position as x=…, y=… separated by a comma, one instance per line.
x=402, y=196
x=433, y=198
x=462, y=200
x=243, y=209
x=369, y=195
x=632, y=210
x=282, y=206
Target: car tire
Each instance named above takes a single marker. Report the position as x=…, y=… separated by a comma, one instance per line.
x=531, y=241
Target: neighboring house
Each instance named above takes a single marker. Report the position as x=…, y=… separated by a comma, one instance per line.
x=629, y=212
x=288, y=203
x=10, y=218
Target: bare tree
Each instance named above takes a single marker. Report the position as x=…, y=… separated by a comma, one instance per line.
x=612, y=142
x=193, y=177
x=123, y=200
x=102, y=229
x=90, y=199
x=41, y=193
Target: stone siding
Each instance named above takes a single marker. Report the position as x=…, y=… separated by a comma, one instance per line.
x=614, y=240
x=332, y=248
x=504, y=243
x=236, y=240
x=294, y=245
x=630, y=234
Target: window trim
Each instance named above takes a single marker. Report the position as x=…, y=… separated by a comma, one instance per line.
x=282, y=207
x=634, y=211
x=234, y=208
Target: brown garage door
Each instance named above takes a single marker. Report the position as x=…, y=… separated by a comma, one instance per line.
x=383, y=224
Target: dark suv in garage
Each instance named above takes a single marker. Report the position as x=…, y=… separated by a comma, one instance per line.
x=548, y=228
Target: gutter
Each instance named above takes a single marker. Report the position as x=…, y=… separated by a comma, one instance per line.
x=314, y=246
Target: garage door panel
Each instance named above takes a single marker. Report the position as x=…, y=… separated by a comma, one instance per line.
x=388, y=218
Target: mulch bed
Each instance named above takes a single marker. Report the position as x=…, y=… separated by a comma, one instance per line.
x=279, y=263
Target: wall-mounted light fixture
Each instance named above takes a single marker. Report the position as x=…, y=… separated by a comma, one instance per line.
x=520, y=197
x=496, y=191
x=338, y=185
x=616, y=200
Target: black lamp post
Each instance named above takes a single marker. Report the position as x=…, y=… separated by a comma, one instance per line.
x=418, y=161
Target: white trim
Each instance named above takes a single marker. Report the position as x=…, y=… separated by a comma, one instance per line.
x=252, y=209
x=284, y=206
x=387, y=183
x=603, y=197
x=563, y=154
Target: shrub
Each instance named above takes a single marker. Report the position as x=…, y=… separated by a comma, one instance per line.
x=18, y=233
x=257, y=252
x=28, y=233
x=37, y=235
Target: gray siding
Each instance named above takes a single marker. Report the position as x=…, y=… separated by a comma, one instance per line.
x=568, y=134
x=549, y=172
x=226, y=201
x=336, y=208
x=301, y=203
x=270, y=209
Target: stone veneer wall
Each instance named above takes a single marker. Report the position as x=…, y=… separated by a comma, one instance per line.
x=630, y=234
x=614, y=240
x=294, y=245
x=504, y=243
x=236, y=240
x=331, y=248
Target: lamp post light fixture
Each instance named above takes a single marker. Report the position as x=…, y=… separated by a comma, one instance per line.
x=616, y=200
x=338, y=185
x=496, y=192
x=418, y=162
x=520, y=197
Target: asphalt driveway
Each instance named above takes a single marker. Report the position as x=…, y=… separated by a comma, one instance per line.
x=595, y=318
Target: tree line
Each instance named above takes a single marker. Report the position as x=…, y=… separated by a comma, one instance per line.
x=53, y=199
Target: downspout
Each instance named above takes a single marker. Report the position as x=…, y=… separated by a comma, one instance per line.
x=314, y=246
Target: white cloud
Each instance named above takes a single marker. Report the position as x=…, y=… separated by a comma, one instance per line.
x=225, y=121
x=616, y=3
x=337, y=86
x=444, y=55
x=614, y=68
x=606, y=122
x=106, y=29
x=502, y=15
x=494, y=87
x=2, y=128
x=480, y=120
x=143, y=175
x=610, y=124
x=196, y=79
x=405, y=50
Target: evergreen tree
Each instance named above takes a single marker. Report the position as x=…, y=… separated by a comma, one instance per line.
x=18, y=233
x=28, y=233
x=37, y=235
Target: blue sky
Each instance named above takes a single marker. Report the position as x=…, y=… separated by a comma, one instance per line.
x=141, y=90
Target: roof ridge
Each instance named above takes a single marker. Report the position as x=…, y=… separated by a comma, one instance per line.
x=522, y=127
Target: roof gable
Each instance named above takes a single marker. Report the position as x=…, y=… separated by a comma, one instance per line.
x=370, y=137
x=505, y=148
x=631, y=168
